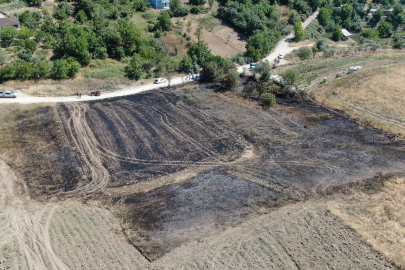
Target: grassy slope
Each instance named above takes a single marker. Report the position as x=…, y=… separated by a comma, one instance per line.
x=378, y=217
x=374, y=95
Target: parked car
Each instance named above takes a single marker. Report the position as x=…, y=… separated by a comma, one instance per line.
x=95, y=93
x=9, y=94
x=252, y=65
x=280, y=56
x=160, y=80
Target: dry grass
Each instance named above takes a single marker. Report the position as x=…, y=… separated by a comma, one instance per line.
x=64, y=87
x=376, y=96
x=379, y=218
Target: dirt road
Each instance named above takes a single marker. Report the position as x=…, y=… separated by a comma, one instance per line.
x=281, y=48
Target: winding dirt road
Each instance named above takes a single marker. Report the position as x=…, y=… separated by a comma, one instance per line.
x=281, y=48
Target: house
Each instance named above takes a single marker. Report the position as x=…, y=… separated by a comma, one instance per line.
x=346, y=35
x=160, y=3
x=12, y=21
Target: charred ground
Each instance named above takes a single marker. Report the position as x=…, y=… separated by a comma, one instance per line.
x=177, y=166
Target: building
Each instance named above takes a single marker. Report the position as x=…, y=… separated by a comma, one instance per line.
x=346, y=35
x=12, y=21
x=160, y=3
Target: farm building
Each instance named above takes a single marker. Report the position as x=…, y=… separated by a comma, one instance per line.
x=346, y=34
x=160, y=3
x=12, y=21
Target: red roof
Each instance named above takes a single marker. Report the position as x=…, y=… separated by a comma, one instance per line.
x=12, y=21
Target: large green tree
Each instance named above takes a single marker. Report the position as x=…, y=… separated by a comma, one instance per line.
x=299, y=33
x=385, y=29
x=201, y=52
x=337, y=33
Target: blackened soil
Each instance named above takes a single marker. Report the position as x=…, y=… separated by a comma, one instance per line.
x=196, y=208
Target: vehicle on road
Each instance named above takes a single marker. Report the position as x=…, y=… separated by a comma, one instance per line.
x=95, y=93
x=280, y=56
x=8, y=94
x=160, y=80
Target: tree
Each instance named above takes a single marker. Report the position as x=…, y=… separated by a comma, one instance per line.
x=268, y=99
x=290, y=77
x=197, y=2
x=176, y=49
x=369, y=33
x=186, y=64
x=25, y=55
x=75, y=44
x=30, y=44
x=201, y=52
x=377, y=16
x=304, y=53
x=134, y=70
x=230, y=80
x=81, y=17
x=25, y=32
x=337, y=33
x=178, y=9
x=3, y=57
x=346, y=12
x=42, y=70
x=24, y=71
x=198, y=32
x=299, y=33
x=325, y=15
x=8, y=32
x=385, y=29
x=7, y=72
x=294, y=17
x=260, y=44
x=164, y=22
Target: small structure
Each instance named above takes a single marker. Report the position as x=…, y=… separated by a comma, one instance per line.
x=346, y=35
x=354, y=68
x=160, y=4
x=11, y=21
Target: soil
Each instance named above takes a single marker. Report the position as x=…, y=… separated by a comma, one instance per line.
x=197, y=179
x=143, y=156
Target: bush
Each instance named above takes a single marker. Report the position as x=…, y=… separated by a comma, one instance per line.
x=25, y=55
x=30, y=44
x=337, y=33
x=304, y=53
x=369, y=33
x=230, y=80
x=268, y=99
x=398, y=45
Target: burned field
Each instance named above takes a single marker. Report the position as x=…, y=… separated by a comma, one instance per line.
x=176, y=169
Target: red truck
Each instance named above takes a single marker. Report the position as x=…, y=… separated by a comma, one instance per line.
x=95, y=93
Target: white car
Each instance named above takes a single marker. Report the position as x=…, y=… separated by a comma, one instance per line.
x=7, y=94
x=160, y=80
x=280, y=56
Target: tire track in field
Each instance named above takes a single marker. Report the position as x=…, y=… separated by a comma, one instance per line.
x=84, y=141
x=27, y=224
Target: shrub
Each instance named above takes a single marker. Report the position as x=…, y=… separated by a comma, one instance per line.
x=230, y=80
x=304, y=53
x=30, y=44
x=369, y=33
x=398, y=45
x=268, y=99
